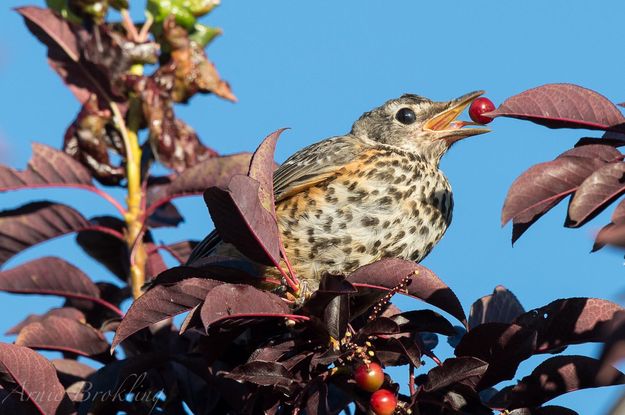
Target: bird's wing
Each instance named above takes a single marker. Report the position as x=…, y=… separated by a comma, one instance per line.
x=308, y=167
x=314, y=164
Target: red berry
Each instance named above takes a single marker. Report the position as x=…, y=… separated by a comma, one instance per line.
x=478, y=107
x=369, y=377
x=383, y=402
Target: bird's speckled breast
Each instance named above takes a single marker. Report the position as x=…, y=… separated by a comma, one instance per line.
x=386, y=203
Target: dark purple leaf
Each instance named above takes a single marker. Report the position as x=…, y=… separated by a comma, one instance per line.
x=455, y=370
x=109, y=386
x=240, y=300
x=543, y=186
x=503, y=346
x=499, y=307
x=52, y=276
x=166, y=215
x=569, y=321
x=63, y=334
x=562, y=106
x=381, y=325
x=425, y=285
x=423, y=321
x=544, y=410
x=108, y=250
x=241, y=219
x=37, y=222
x=25, y=371
x=397, y=351
x=554, y=377
x=155, y=263
x=263, y=373
x=596, y=192
x=162, y=302
x=64, y=52
x=71, y=371
x=216, y=172
x=261, y=169
x=66, y=312
x=336, y=316
x=181, y=250
x=48, y=167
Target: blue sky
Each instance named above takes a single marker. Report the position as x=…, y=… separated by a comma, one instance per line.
x=316, y=66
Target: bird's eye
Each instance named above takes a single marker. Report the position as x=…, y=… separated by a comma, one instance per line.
x=406, y=116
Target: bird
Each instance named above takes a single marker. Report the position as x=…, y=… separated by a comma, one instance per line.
x=376, y=192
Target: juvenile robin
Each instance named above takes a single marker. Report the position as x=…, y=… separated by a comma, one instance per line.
x=376, y=192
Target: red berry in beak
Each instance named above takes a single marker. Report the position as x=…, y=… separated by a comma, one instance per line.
x=480, y=106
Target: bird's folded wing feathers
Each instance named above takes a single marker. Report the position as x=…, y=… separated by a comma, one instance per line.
x=308, y=167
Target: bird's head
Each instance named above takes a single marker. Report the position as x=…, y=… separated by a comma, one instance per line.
x=418, y=124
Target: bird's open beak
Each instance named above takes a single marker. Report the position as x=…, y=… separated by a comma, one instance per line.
x=444, y=125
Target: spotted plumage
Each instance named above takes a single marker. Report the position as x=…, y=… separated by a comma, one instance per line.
x=376, y=192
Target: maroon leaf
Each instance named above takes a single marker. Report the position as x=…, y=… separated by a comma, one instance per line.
x=66, y=312
x=423, y=321
x=554, y=377
x=162, y=302
x=397, y=351
x=241, y=219
x=25, y=371
x=63, y=334
x=263, y=374
x=155, y=263
x=544, y=410
x=388, y=273
x=544, y=185
x=107, y=249
x=181, y=250
x=166, y=215
x=48, y=167
x=216, y=171
x=614, y=348
x=261, y=169
x=596, y=192
x=503, y=346
x=64, y=52
x=562, y=106
x=569, y=321
x=71, y=371
x=499, y=307
x=239, y=301
x=52, y=276
x=37, y=222
x=453, y=371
